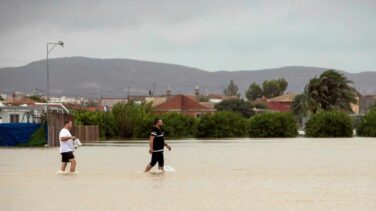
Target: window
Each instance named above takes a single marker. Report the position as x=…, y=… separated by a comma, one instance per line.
x=14, y=118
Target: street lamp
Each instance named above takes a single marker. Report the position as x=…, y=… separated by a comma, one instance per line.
x=61, y=43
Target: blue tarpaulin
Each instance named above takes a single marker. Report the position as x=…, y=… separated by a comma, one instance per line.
x=12, y=134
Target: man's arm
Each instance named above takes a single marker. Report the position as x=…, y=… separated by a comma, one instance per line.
x=67, y=138
x=168, y=146
x=151, y=143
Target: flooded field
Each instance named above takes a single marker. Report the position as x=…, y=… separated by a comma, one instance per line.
x=240, y=174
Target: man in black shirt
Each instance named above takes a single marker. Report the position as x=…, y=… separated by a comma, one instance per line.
x=157, y=145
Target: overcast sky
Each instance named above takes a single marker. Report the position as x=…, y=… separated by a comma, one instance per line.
x=211, y=35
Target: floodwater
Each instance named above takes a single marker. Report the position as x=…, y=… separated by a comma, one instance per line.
x=239, y=174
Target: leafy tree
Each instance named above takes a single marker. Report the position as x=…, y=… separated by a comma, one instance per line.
x=108, y=128
x=142, y=130
x=202, y=98
x=331, y=90
x=282, y=85
x=271, y=88
x=237, y=105
x=329, y=124
x=299, y=107
x=105, y=121
x=178, y=125
x=372, y=107
x=128, y=116
x=37, y=98
x=222, y=124
x=272, y=124
x=260, y=106
x=231, y=90
x=254, y=91
x=367, y=125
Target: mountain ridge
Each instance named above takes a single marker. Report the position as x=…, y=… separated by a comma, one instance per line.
x=95, y=77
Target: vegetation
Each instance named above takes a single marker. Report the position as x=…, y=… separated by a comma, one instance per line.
x=331, y=90
x=37, y=99
x=237, y=105
x=260, y=106
x=223, y=124
x=367, y=125
x=269, y=89
x=231, y=90
x=105, y=121
x=329, y=124
x=272, y=124
x=254, y=92
x=299, y=107
x=372, y=107
x=179, y=125
x=130, y=120
x=274, y=88
x=128, y=116
x=202, y=98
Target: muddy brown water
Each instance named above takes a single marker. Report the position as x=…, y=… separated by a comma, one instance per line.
x=238, y=174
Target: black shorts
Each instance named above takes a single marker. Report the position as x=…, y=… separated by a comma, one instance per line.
x=157, y=157
x=66, y=156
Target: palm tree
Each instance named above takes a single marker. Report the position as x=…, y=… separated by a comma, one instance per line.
x=331, y=90
x=299, y=107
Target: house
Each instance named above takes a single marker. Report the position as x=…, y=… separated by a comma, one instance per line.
x=367, y=102
x=75, y=106
x=217, y=98
x=109, y=102
x=182, y=104
x=64, y=99
x=155, y=100
x=281, y=103
x=17, y=101
x=138, y=99
x=20, y=114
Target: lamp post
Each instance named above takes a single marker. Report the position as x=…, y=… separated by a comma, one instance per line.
x=61, y=43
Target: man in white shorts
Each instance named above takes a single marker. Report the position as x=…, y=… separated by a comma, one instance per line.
x=67, y=147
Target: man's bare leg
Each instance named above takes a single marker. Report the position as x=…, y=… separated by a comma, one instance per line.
x=148, y=167
x=73, y=165
x=63, y=166
x=161, y=168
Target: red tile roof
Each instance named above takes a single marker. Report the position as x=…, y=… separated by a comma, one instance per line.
x=288, y=97
x=279, y=106
x=23, y=100
x=181, y=103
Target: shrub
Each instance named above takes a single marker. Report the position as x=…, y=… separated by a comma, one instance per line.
x=236, y=105
x=222, y=124
x=175, y=126
x=128, y=115
x=272, y=124
x=178, y=125
x=142, y=130
x=367, y=125
x=329, y=124
x=261, y=106
x=105, y=121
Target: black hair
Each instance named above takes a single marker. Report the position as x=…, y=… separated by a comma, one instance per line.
x=157, y=120
x=66, y=122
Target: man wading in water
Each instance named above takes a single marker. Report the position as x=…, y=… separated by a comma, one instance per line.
x=157, y=144
x=67, y=148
